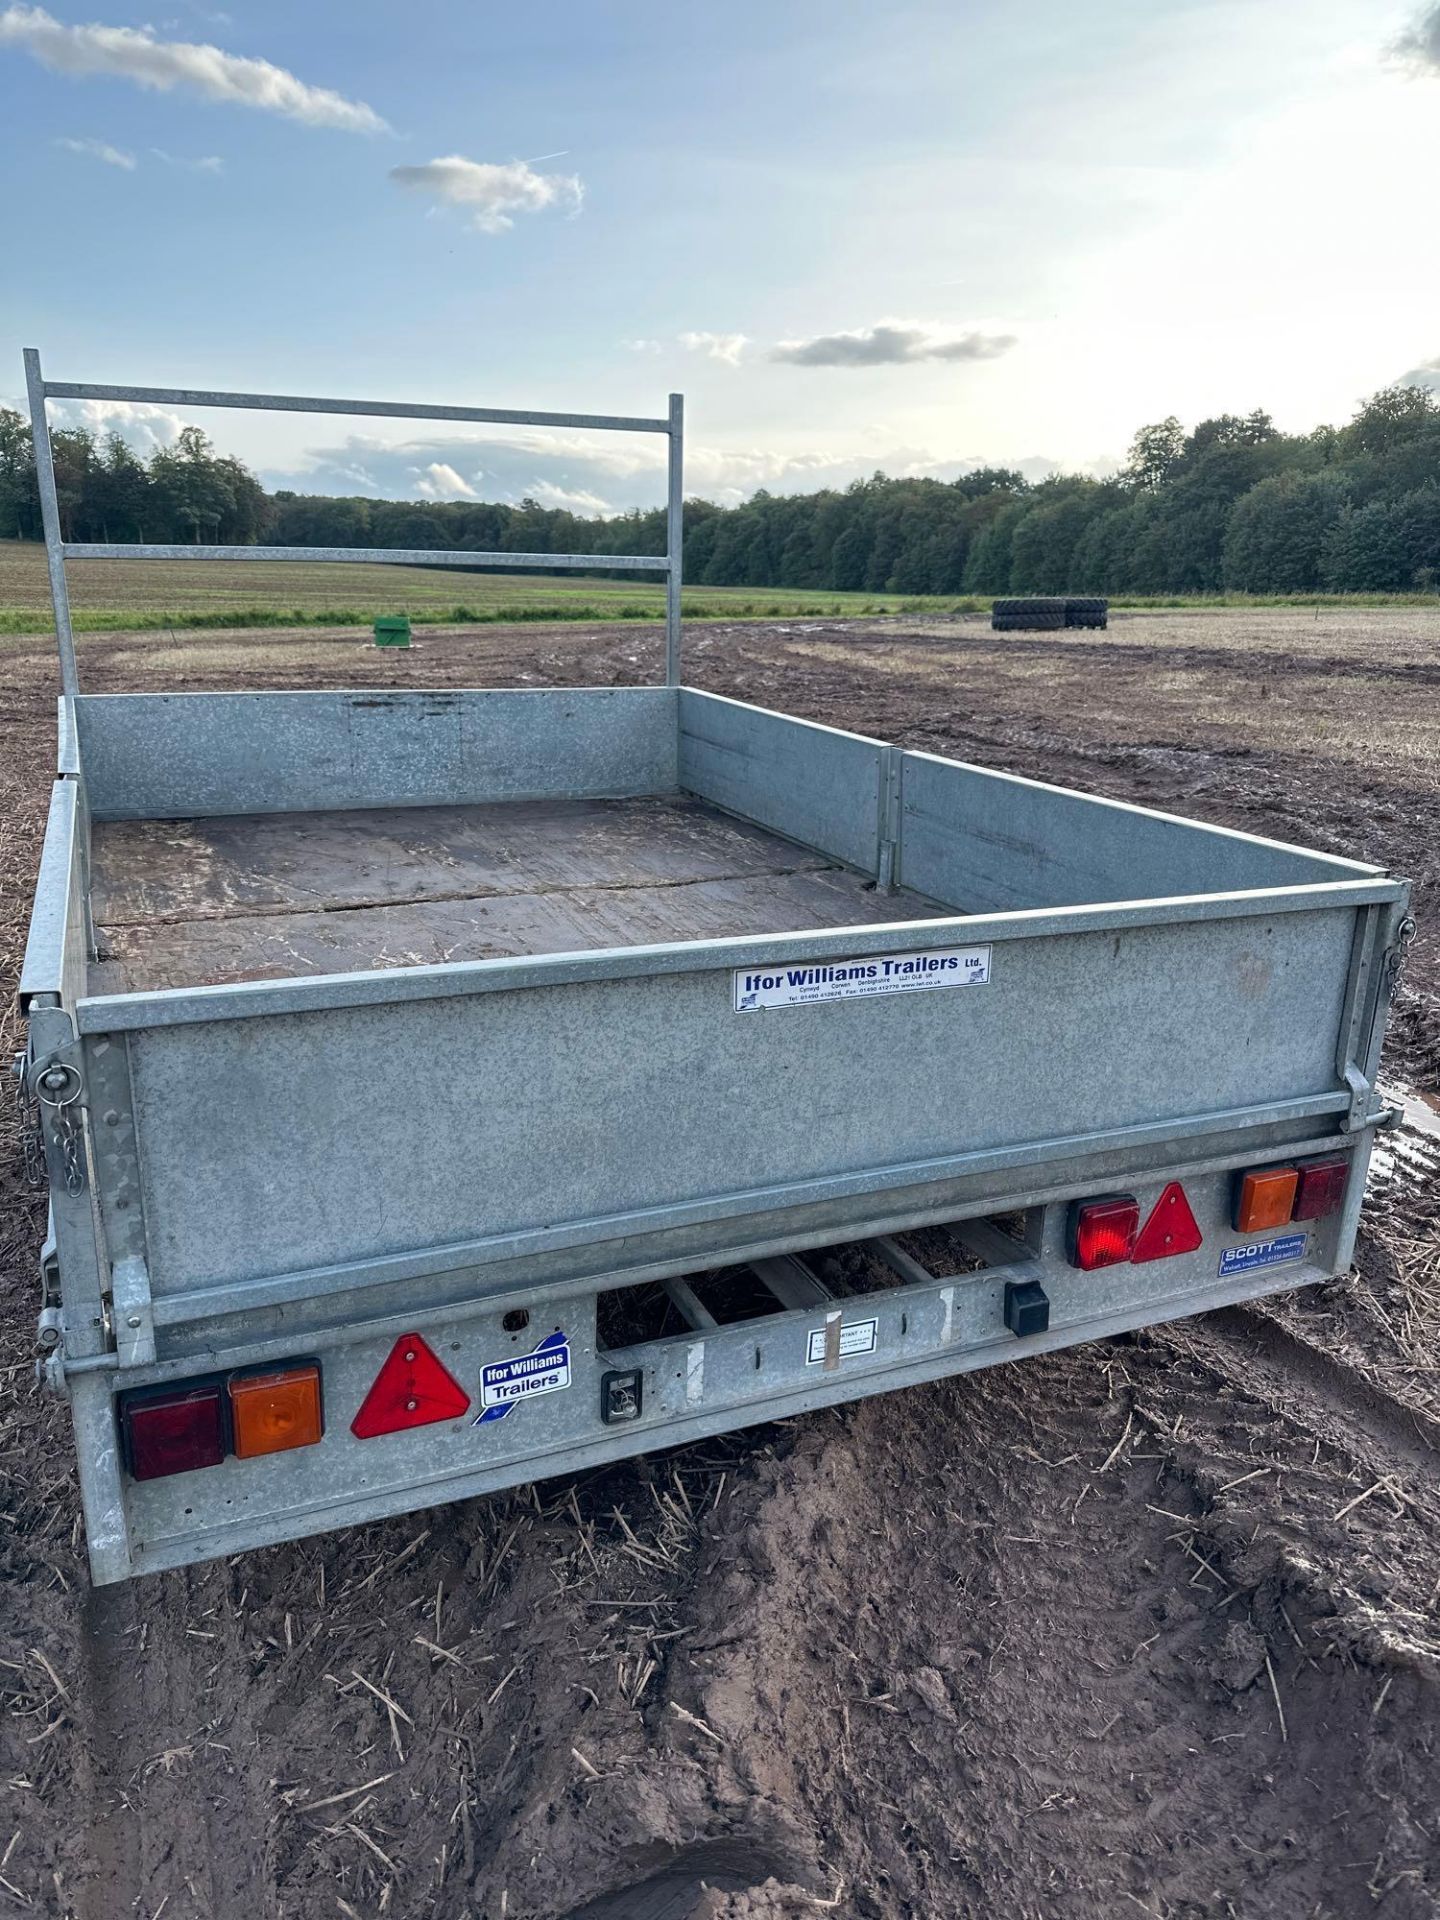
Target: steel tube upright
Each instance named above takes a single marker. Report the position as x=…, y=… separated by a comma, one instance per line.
x=50, y=521
x=674, y=538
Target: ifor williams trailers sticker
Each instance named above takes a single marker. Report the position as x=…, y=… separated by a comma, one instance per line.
x=505, y=1382
x=808, y=985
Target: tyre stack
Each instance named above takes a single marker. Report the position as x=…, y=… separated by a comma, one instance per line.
x=1087, y=612
x=1048, y=615
x=1028, y=616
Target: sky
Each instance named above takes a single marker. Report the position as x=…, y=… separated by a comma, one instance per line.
x=914, y=235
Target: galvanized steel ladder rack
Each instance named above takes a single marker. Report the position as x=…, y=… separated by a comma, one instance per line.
x=58, y=550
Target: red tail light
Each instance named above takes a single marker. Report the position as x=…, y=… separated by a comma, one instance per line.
x=1102, y=1232
x=173, y=1429
x=197, y=1423
x=412, y=1389
x=1272, y=1196
x=1321, y=1189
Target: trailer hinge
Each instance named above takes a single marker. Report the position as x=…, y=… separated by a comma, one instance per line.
x=49, y=1265
x=133, y=1320
x=50, y=1372
x=1358, y=1114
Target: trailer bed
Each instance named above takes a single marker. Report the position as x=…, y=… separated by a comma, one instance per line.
x=207, y=902
x=569, y=1034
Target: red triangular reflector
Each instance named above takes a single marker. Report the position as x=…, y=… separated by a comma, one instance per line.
x=412, y=1389
x=1171, y=1228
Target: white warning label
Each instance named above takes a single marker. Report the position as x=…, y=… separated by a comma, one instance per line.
x=856, y=1337
x=808, y=985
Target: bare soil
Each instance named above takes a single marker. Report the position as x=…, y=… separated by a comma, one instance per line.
x=1152, y=1625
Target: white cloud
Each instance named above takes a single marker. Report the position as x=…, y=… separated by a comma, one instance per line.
x=643, y=346
x=890, y=343
x=725, y=347
x=491, y=192
x=594, y=474
x=134, y=53
x=589, y=506
x=100, y=150
x=146, y=427
x=206, y=163
x=440, y=481
x=118, y=157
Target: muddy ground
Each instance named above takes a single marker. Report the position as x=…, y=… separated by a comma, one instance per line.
x=1151, y=1626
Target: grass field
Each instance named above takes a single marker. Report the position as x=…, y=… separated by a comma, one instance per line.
x=144, y=595
x=108, y=595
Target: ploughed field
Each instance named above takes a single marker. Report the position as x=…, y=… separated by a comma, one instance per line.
x=1149, y=1626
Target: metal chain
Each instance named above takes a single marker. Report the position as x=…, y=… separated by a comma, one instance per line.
x=1396, y=958
x=58, y=1087
x=32, y=1138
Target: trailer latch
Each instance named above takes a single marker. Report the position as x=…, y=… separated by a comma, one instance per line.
x=622, y=1395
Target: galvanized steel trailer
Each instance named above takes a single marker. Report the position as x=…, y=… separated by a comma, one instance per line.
x=406, y=1065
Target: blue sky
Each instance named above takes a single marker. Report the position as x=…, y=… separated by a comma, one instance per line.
x=912, y=235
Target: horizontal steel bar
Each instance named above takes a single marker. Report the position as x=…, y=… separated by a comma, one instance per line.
x=439, y=1484
x=183, y=1006
x=687, y=1303
x=351, y=1321
x=43, y=968
x=888, y=1249
x=376, y=409
x=992, y=1244
x=208, y=1303
x=376, y=556
x=791, y=1281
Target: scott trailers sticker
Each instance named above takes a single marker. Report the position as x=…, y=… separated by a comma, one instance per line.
x=858, y=1337
x=504, y=1382
x=808, y=986
x=1264, y=1253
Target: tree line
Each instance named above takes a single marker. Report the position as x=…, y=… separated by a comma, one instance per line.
x=1233, y=504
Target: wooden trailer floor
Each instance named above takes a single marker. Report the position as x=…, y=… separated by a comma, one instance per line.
x=182, y=903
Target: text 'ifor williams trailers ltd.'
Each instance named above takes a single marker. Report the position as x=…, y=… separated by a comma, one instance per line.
x=439, y=1090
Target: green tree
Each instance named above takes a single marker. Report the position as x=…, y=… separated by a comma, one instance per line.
x=72, y=450
x=988, y=566
x=19, y=499
x=192, y=489
x=1278, y=532
x=1386, y=546
x=1153, y=454
x=1042, y=546
x=120, y=492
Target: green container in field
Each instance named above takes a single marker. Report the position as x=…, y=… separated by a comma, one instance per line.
x=392, y=630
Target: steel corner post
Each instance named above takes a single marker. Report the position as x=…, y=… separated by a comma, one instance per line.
x=674, y=538
x=50, y=521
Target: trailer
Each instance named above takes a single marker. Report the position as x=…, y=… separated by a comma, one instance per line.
x=443, y=1090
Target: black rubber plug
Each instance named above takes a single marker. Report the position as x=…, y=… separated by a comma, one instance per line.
x=1027, y=1307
